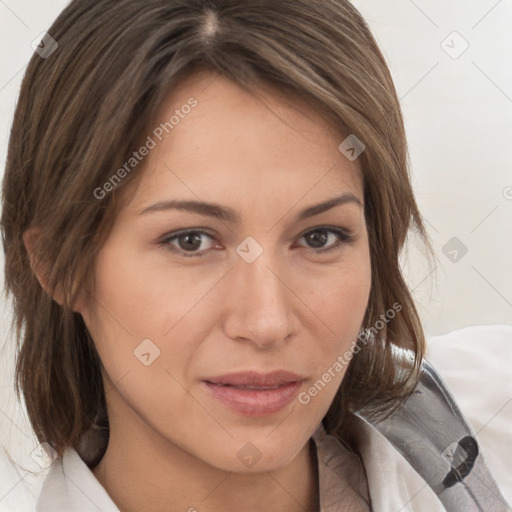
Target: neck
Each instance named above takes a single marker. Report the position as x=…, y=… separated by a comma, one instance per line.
x=142, y=471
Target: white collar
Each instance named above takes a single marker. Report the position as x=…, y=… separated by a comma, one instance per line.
x=71, y=486
x=393, y=484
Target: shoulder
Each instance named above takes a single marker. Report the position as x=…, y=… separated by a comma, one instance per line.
x=476, y=364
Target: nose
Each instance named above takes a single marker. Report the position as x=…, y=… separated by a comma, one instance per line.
x=259, y=308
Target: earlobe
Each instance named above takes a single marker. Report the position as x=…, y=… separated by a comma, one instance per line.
x=30, y=238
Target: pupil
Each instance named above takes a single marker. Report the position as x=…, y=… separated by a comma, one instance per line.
x=318, y=236
x=190, y=239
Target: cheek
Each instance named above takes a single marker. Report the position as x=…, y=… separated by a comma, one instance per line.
x=343, y=297
x=122, y=315
x=342, y=310
x=145, y=319
x=130, y=296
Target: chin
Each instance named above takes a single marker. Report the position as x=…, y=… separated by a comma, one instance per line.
x=257, y=453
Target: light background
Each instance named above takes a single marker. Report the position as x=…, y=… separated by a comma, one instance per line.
x=458, y=114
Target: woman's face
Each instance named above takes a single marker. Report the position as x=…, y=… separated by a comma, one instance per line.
x=246, y=292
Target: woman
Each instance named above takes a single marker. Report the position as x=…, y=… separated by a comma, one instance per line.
x=204, y=206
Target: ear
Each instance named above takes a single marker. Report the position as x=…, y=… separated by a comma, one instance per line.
x=30, y=238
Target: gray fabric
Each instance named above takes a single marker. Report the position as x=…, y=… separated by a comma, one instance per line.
x=430, y=431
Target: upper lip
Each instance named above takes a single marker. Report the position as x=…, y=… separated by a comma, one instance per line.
x=251, y=378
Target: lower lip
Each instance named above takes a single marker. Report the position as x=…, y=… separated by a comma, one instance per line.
x=254, y=402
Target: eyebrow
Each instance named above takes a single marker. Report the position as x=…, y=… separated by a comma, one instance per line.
x=228, y=214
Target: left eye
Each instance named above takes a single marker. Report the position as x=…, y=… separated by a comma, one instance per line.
x=189, y=241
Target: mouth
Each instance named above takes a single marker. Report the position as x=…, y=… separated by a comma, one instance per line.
x=259, y=388
x=255, y=394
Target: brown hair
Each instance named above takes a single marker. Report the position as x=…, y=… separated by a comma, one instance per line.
x=84, y=108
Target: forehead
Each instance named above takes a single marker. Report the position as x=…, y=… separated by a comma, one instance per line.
x=212, y=139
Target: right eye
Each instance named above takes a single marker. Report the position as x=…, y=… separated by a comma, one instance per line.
x=188, y=241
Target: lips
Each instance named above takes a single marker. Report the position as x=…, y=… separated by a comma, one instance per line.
x=256, y=380
x=255, y=394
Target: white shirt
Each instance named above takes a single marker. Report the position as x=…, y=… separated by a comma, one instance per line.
x=476, y=364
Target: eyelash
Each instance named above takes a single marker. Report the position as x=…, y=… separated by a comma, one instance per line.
x=343, y=236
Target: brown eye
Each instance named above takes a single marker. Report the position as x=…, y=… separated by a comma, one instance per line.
x=187, y=242
x=319, y=237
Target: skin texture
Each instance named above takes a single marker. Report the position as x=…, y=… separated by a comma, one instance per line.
x=172, y=445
